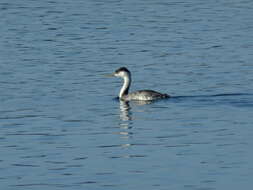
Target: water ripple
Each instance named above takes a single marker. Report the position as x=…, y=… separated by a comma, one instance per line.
x=61, y=128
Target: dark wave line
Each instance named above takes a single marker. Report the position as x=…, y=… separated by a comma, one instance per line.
x=214, y=95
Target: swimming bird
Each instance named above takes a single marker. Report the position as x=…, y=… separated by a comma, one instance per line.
x=143, y=95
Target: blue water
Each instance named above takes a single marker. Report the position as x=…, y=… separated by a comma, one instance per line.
x=61, y=126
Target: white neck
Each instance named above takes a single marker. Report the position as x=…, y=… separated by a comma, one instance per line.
x=124, y=89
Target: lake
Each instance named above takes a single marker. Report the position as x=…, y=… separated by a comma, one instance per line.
x=61, y=126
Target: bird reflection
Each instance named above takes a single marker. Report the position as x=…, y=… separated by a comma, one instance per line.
x=126, y=116
x=125, y=113
x=125, y=109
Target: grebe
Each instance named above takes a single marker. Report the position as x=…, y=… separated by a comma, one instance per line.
x=144, y=95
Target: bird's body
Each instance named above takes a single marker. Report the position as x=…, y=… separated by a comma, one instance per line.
x=142, y=95
x=146, y=95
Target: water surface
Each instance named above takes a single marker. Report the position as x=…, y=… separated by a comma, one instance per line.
x=61, y=126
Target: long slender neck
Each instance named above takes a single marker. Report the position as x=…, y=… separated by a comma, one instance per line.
x=124, y=89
